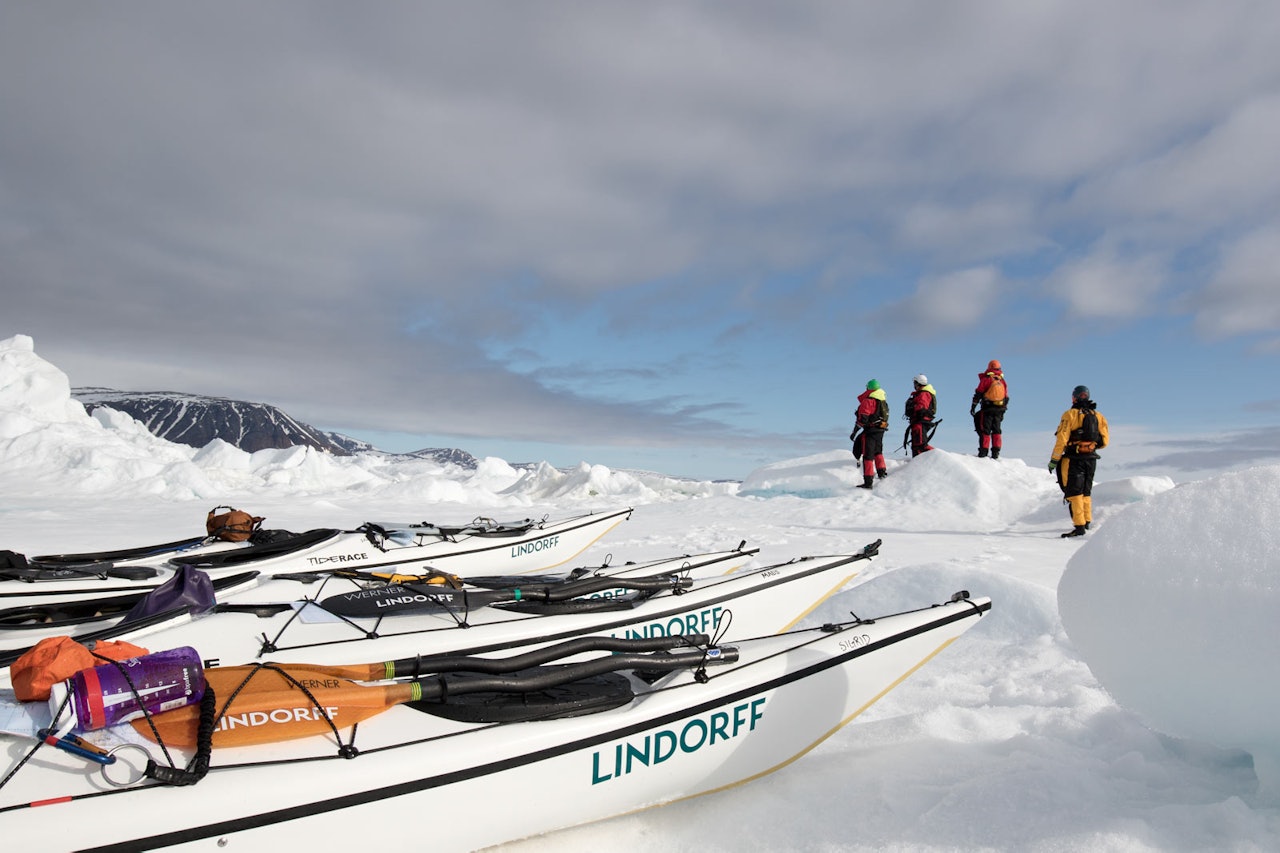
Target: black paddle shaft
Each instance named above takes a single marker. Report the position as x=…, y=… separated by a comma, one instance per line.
x=416, y=598
x=416, y=667
x=544, y=677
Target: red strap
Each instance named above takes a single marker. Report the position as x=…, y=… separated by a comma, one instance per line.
x=93, y=696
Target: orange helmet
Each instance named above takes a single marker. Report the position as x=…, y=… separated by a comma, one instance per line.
x=993, y=364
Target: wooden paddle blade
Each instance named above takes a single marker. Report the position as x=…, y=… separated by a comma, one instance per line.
x=352, y=672
x=269, y=707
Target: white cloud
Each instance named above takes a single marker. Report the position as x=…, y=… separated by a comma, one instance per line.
x=1104, y=285
x=942, y=304
x=1244, y=296
x=1227, y=171
x=981, y=228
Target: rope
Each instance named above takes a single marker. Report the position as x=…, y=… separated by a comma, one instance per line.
x=39, y=743
x=198, y=768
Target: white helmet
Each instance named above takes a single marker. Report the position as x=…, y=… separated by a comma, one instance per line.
x=921, y=379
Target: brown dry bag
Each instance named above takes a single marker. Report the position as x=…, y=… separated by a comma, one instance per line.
x=234, y=525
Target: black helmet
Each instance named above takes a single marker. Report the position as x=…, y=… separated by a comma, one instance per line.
x=1080, y=392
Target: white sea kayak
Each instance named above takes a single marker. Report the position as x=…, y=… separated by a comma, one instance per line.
x=454, y=769
x=484, y=545
x=334, y=620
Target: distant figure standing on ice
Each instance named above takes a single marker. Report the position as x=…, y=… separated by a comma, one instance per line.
x=1082, y=432
x=990, y=400
x=921, y=406
x=868, y=434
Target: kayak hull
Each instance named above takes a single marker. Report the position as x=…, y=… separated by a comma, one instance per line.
x=477, y=784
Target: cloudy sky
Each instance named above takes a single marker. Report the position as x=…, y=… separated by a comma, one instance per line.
x=677, y=236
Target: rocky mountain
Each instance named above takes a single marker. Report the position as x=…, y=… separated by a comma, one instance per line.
x=445, y=455
x=195, y=420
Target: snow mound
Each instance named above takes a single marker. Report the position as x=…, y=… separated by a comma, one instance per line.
x=32, y=391
x=1130, y=490
x=824, y=475
x=987, y=494
x=50, y=446
x=1170, y=604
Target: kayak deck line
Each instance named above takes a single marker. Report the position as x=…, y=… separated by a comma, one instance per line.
x=708, y=594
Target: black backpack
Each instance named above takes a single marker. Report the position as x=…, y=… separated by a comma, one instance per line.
x=1086, y=436
x=1089, y=427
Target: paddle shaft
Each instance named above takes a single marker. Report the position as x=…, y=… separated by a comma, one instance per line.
x=420, y=665
x=271, y=704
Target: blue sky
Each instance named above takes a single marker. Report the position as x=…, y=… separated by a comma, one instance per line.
x=674, y=236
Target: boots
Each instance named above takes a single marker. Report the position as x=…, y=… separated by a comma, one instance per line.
x=1078, y=530
x=995, y=453
x=882, y=473
x=982, y=453
x=866, y=482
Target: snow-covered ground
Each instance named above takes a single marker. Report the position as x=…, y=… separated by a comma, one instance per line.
x=1148, y=722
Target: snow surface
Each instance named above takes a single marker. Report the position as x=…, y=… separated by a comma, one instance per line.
x=1145, y=724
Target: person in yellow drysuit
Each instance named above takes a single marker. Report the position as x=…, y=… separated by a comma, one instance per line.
x=1082, y=432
